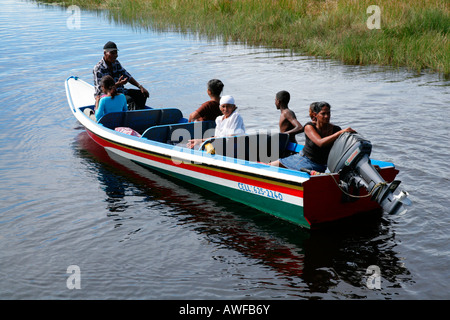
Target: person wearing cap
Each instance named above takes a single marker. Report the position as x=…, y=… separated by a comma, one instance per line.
x=230, y=123
x=109, y=65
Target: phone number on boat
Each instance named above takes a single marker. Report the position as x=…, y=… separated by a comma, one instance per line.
x=260, y=191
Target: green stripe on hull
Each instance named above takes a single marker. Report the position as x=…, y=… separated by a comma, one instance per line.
x=280, y=209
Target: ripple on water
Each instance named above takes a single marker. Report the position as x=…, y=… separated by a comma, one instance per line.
x=141, y=235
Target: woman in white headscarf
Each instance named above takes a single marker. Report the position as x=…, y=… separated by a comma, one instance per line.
x=228, y=124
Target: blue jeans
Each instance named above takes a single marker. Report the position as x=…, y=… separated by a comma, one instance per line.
x=298, y=161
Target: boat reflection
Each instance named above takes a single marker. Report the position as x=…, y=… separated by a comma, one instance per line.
x=318, y=260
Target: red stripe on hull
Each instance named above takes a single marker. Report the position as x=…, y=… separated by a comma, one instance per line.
x=197, y=168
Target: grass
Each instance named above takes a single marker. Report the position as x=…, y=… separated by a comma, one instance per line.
x=412, y=34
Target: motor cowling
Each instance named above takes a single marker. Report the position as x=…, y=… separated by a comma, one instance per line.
x=350, y=157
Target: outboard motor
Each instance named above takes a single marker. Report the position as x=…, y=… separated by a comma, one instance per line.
x=349, y=157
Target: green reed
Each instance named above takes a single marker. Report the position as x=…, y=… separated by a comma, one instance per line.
x=413, y=33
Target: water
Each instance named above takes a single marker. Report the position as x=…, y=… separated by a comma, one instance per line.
x=138, y=235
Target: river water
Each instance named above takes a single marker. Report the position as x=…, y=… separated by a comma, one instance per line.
x=134, y=234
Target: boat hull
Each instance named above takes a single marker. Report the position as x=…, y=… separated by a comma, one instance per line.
x=272, y=195
x=297, y=197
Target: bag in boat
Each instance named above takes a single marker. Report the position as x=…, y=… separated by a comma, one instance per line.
x=129, y=131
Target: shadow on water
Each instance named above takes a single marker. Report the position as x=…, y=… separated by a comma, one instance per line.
x=321, y=259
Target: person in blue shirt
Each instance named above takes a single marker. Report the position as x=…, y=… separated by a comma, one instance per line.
x=111, y=101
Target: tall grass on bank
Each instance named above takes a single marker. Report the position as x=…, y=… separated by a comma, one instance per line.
x=413, y=33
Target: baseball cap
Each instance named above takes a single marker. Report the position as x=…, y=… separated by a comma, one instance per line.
x=110, y=46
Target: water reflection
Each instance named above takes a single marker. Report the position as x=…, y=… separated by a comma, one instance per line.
x=50, y=216
x=316, y=261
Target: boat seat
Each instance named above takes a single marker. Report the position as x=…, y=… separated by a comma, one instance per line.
x=180, y=132
x=260, y=147
x=140, y=120
x=112, y=120
x=170, y=115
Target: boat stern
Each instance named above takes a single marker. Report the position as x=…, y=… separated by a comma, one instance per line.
x=325, y=201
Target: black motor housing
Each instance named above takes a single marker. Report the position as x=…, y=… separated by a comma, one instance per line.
x=349, y=157
x=348, y=149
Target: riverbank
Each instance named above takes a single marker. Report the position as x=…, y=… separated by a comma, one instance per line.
x=404, y=33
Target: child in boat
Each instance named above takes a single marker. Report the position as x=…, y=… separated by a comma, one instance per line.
x=288, y=121
x=228, y=124
x=319, y=138
x=111, y=101
x=210, y=109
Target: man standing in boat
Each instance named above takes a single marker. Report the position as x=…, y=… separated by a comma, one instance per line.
x=109, y=65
